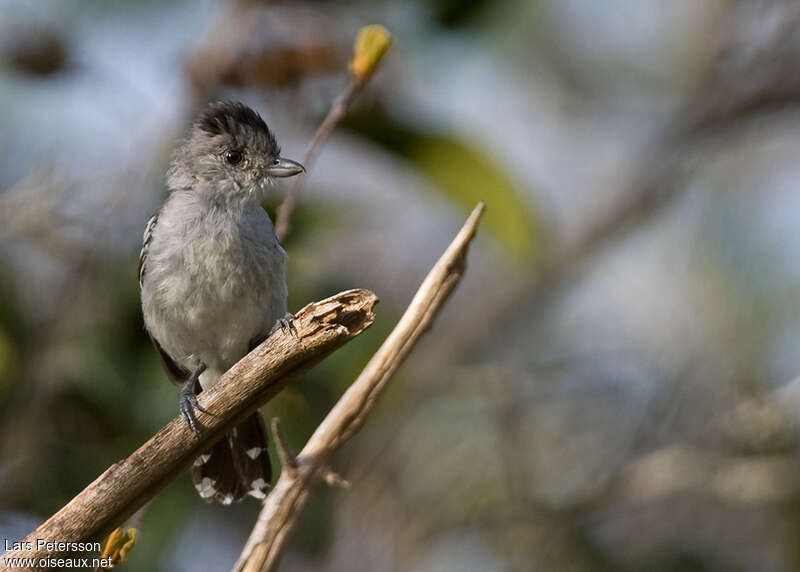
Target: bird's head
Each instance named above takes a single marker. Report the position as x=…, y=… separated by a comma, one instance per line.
x=230, y=152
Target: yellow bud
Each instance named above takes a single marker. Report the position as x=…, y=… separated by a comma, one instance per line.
x=130, y=536
x=111, y=542
x=119, y=544
x=370, y=45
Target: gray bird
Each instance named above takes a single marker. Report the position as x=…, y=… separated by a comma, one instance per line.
x=212, y=279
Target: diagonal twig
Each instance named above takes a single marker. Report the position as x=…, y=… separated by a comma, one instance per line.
x=286, y=501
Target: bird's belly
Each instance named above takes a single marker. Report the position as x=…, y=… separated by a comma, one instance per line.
x=211, y=317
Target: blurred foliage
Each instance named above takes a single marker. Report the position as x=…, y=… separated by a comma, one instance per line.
x=458, y=13
x=8, y=362
x=35, y=52
x=464, y=175
x=639, y=414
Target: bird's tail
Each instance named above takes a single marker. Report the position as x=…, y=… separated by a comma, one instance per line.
x=236, y=466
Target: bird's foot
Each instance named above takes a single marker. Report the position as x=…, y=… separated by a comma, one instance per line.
x=187, y=402
x=286, y=324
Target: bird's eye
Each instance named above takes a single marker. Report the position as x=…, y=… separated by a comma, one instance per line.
x=233, y=156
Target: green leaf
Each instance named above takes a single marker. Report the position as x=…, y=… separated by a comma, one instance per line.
x=466, y=177
x=463, y=174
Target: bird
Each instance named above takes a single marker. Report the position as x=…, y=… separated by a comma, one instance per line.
x=212, y=280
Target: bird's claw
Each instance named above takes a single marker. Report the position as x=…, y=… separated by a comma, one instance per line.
x=287, y=324
x=187, y=403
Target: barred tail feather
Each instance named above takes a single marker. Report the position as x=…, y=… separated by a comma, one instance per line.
x=237, y=465
x=214, y=474
x=251, y=457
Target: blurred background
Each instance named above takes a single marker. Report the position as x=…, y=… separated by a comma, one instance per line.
x=614, y=385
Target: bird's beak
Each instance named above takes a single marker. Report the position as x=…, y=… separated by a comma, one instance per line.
x=284, y=168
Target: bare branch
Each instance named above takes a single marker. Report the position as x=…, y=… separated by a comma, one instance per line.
x=336, y=113
x=285, y=503
x=321, y=326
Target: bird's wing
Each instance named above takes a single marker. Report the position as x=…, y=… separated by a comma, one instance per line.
x=147, y=237
x=176, y=373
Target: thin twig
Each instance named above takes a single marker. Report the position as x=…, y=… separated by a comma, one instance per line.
x=115, y=495
x=370, y=45
x=336, y=113
x=286, y=501
x=288, y=460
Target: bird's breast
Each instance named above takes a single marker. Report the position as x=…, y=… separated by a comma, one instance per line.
x=217, y=282
x=236, y=266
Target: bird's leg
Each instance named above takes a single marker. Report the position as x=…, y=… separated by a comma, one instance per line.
x=187, y=402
